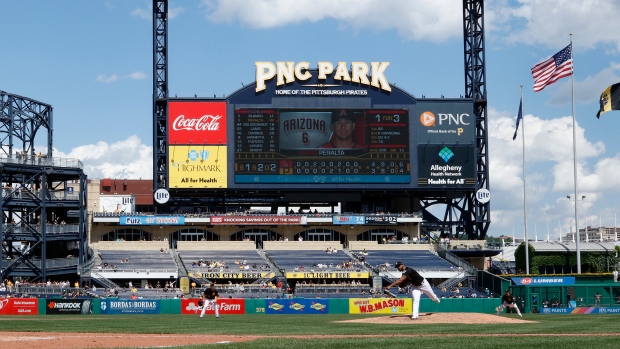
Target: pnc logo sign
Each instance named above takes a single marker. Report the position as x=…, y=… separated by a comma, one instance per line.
x=427, y=119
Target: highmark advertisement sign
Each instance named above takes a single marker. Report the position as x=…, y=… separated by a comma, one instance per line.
x=198, y=167
x=380, y=306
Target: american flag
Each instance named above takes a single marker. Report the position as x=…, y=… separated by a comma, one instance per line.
x=560, y=65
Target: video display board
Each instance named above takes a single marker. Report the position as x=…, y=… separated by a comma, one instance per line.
x=321, y=134
x=446, y=166
x=442, y=122
x=197, y=138
x=198, y=167
x=321, y=146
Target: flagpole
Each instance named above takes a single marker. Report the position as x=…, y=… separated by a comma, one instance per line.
x=572, y=79
x=600, y=226
x=527, y=245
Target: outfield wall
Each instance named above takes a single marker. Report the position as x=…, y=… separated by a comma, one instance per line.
x=237, y=306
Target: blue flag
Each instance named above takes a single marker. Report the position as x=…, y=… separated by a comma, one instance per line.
x=519, y=117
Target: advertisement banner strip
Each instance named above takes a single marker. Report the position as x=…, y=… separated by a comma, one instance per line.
x=259, y=220
x=380, y=306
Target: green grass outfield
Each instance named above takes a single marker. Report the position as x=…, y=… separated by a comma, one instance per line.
x=578, y=331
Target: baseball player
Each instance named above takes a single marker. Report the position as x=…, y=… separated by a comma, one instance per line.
x=210, y=296
x=508, y=302
x=418, y=285
x=343, y=129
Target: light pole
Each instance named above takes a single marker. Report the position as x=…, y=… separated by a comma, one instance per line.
x=583, y=197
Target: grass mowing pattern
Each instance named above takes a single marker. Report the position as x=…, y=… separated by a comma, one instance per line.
x=451, y=336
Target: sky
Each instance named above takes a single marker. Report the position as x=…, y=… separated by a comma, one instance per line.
x=92, y=61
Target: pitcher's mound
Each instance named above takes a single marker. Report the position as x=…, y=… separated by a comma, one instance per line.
x=444, y=318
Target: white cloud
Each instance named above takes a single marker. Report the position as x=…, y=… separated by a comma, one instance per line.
x=142, y=13
x=138, y=75
x=128, y=158
x=107, y=79
x=413, y=19
x=174, y=12
x=549, y=174
x=535, y=22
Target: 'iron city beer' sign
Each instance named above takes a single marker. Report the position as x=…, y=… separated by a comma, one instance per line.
x=287, y=72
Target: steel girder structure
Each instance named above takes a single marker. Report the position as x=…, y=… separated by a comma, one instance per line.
x=464, y=211
x=20, y=120
x=160, y=94
x=34, y=190
x=35, y=203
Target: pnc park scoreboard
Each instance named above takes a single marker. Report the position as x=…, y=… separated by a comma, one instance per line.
x=282, y=133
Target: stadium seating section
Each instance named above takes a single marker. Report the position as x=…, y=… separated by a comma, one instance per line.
x=417, y=259
x=294, y=260
x=138, y=260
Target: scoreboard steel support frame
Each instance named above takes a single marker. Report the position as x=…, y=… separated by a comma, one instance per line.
x=462, y=210
x=160, y=94
x=475, y=87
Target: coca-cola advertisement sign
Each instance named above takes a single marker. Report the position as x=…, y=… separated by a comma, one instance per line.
x=197, y=123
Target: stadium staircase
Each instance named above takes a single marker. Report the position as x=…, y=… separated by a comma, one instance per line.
x=272, y=265
x=103, y=281
x=278, y=273
x=454, y=259
x=467, y=269
x=453, y=281
x=200, y=282
x=180, y=265
x=89, y=271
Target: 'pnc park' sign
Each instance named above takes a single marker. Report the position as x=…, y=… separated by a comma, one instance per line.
x=327, y=275
x=234, y=275
x=287, y=72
